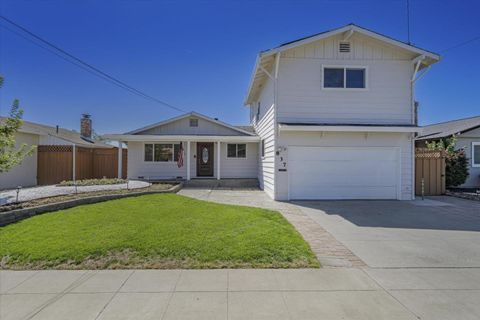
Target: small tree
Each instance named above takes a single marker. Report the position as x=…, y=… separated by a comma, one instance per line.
x=11, y=156
x=456, y=162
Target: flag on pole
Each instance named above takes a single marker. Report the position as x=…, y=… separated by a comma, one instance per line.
x=180, y=156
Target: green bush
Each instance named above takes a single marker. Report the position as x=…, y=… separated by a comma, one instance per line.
x=456, y=168
x=456, y=162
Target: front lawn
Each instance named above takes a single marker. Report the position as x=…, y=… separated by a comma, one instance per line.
x=155, y=231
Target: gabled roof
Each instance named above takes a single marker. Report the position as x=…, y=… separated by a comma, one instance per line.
x=196, y=115
x=449, y=128
x=69, y=136
x=265, y=58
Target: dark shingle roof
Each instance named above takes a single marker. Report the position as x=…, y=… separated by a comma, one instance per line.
x=246, y=128
x=64, y=134
x=449, y=128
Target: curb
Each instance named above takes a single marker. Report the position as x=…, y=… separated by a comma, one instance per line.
x=12, y=216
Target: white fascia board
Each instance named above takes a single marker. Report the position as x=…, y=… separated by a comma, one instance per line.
x=189, y=114
x=355, y=29
x=343, y=128
x=252, y=80
x=159, y=138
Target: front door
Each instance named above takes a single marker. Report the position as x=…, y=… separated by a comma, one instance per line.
x=205, y=159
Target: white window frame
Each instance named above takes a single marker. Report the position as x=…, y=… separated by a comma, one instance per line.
x=473, y=154
x=153, y=151
x=236, y=151
x=344, y=77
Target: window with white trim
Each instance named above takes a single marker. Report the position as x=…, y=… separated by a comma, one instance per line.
x=475, y=154
x=236, y=150
x=161, y=152
x=345, y=78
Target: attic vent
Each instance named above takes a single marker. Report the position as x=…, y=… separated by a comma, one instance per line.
x=193, y=122
x=344, y=47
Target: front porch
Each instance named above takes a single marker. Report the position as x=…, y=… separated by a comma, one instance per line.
x=208, y=161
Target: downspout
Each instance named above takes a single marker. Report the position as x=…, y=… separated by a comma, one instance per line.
x=275, y=124
x=416, y=62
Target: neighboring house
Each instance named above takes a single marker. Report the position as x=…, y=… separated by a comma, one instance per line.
x=333, y=116
x=467, y=132
x=35, y=134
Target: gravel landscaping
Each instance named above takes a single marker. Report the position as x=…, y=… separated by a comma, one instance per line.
x=27, y=194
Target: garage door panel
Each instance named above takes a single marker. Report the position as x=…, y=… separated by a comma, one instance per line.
x=341, y=154
x=346, y=193
x=343, y=173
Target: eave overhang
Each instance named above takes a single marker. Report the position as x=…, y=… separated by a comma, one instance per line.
x=169, y=138
x=348, y=128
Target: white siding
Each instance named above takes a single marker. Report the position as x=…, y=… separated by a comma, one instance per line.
x=137, y=167
x=265, y=128
x=386, y=100
x=344, y=139
x=239, y=167
x=465, y=141
x=229, y=168
x=25, y=174
x=182, y=127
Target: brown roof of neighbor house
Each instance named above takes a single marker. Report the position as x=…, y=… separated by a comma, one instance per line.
x=449, y=128
x=70, y=136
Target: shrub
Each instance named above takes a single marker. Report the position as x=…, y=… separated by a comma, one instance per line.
x=456, y=168
x=456, y=162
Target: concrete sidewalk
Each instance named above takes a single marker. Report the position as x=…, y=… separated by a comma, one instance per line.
x=342, y=293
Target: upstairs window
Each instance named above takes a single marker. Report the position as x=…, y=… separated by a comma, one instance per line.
x=236, y=150
x=344, y=78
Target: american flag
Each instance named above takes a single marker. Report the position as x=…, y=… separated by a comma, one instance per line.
x=180, y=156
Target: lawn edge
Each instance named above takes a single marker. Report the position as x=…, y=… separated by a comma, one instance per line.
x=16, y=215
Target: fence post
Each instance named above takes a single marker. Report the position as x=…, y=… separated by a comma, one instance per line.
x=423, y=188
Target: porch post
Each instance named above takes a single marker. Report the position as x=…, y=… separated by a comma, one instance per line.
x=120, y=156
x=188, y=160
x=219, y=151
x=74, y=163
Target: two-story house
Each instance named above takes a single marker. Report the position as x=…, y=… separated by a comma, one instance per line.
x=333, y=117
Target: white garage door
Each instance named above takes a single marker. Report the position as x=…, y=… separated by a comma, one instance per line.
x=343, y=173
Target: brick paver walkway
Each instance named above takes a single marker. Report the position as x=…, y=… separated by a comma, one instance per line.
x=329, y=251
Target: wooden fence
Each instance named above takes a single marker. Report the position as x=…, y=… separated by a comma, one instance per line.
x=429, y=168
x=55, y=163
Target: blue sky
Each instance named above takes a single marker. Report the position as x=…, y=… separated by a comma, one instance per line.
x=199, y=55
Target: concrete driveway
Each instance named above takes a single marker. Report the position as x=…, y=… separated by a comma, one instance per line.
x=424, y=254
x=439, y=232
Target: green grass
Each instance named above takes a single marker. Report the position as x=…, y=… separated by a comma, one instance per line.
x=155, y=231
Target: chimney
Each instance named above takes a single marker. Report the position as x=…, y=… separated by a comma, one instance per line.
x=86, y=126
